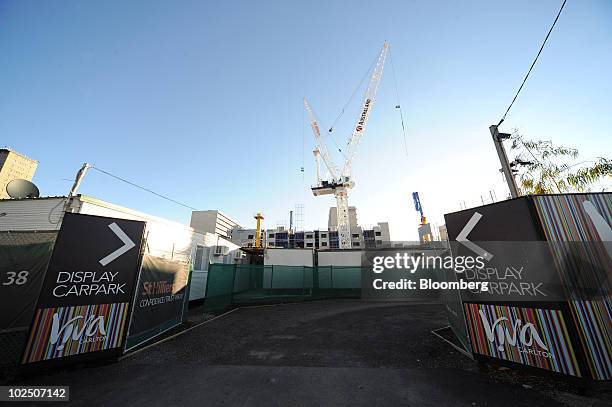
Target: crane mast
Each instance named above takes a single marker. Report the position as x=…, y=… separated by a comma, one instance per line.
x=340, y=183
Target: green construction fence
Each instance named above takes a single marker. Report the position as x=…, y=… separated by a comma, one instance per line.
x=231, y=285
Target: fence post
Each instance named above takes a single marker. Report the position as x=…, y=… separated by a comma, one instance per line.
x=206, y=285
x=233, y=284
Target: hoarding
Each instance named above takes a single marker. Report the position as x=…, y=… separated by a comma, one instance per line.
x=529, y=336
x=24, y=257
x=160, y=298
x=549, y=262
x=518, y=265
x=579, y=229
x=84, y=301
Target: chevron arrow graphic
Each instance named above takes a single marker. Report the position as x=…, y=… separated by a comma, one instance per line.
x=462, y=237
x=127, y=245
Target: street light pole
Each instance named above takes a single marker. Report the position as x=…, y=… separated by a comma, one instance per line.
x=498, y=139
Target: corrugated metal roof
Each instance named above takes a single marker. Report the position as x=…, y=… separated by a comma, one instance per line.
x=31, y=214
x=31, y=199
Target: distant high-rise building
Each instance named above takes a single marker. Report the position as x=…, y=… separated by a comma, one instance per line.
x=14, y=166
x=332, y=222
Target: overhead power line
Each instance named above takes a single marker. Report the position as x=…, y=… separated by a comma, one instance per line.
x=143, y=188
x=533, y=63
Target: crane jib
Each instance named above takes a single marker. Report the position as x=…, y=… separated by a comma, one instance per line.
x=315, y=128
x=364, y=113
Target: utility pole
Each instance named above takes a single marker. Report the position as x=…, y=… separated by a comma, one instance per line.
x=498, y=139
x=78, y=179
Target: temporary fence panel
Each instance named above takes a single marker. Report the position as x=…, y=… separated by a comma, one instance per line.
x=24, y=257
x=229, y=285
x=219, y=287
x=159, y=300
x=451, y=299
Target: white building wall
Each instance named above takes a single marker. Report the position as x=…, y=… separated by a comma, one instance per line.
x=288, y=257
x=350, y=258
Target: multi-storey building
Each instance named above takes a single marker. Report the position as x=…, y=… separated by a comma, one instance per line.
x=369, y=238
x=14, y=166
x=213, y=221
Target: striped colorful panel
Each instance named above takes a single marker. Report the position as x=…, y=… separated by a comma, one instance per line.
x=66, y=331
x=534, y=337
x=594, y=321
x=585, y=268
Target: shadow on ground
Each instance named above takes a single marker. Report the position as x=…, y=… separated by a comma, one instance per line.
x=318, y=353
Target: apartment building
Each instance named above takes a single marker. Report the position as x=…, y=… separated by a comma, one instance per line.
x=14, y=165
x=213, y=221
x=369, y=238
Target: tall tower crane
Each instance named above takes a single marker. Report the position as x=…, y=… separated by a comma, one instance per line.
x=339, y=182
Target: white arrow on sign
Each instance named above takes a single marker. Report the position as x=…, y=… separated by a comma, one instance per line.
x=127, y=244
x=462, y=237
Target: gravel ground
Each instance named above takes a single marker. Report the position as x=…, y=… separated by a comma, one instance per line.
x=343, y=352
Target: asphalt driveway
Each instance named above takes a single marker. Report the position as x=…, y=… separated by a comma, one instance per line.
x=317, y=353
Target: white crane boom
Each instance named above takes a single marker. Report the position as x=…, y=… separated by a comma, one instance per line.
x=321, y=147
x=340, y=183
x=364, y=113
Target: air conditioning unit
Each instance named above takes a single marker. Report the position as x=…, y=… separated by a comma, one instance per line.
x=221, y=251
x=239, y=254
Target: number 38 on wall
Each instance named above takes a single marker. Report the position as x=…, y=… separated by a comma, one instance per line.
x=16, y=278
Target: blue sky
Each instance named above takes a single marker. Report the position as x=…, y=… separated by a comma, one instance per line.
x=202, y=101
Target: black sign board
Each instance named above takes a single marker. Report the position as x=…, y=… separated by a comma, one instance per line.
x=518, y=266
x=84, y=302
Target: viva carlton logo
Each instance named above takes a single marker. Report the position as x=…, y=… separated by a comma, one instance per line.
x=525, y=334
x=78, y=328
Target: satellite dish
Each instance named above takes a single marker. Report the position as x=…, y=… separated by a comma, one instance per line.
x=21, y=188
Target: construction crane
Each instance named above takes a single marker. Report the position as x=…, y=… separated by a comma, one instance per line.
x=259, y=217
x=339, y=182
x=418, y=207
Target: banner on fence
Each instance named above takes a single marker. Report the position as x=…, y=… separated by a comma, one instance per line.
x=24, y=257
x=160, y=298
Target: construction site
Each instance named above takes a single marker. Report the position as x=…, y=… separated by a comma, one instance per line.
x=404, y=294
